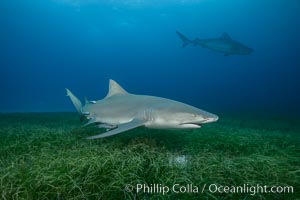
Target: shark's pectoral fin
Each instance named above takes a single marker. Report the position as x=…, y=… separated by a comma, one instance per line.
x=121, y=128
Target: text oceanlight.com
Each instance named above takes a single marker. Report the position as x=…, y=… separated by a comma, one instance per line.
x=212, y=188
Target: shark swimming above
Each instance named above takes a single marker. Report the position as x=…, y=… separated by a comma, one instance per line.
x=120, y=111
x=223, y=44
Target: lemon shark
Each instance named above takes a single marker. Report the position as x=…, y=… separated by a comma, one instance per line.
x=224, y=44
x=120, y=111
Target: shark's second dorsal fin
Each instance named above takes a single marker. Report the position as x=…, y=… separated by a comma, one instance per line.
x=225, y=36
x=114, y=88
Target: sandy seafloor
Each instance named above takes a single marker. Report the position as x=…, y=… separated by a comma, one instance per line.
x=46, y=156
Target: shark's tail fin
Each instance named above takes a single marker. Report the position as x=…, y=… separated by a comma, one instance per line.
x=76, y=103
x=184, y=39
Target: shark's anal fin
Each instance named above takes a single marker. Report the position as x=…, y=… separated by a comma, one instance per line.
x=121, y=128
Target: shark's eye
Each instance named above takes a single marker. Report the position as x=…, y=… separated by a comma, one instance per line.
x=194, y=115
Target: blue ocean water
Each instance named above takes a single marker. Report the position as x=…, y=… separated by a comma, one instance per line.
x=48, y=45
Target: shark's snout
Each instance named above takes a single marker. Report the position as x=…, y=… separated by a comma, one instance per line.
x=246, y=51
x=202, y=120
x=211, y=119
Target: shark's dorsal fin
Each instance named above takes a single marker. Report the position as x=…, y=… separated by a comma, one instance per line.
x=225, y=36
x=114, y=88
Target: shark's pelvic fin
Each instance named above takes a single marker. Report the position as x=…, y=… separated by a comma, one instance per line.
x=107, y=126
x=85, y=113
x=115, y=88
x=121, y=128
x=91, y=121
x=225, y=36
x=76, y=103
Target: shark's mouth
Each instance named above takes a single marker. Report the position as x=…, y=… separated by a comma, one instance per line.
x=190, y=125
x=198, y=123
x=194, y=123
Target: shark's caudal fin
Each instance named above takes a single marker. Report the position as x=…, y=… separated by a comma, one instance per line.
x=76, y=103
x=184, y=39
x=114, y=88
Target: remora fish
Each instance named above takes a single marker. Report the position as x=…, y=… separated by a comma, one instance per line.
x=121, y=111
x=223, y=44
